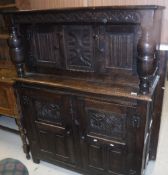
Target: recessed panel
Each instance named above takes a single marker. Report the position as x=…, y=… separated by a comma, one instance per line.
x=96, y=157
x=121, y=47
x=45, y=46
x=120, y=51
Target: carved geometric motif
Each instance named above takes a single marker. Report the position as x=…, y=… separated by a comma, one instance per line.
x=107, y=123
x=48, y=111
x=79, y=47
x=120, y=51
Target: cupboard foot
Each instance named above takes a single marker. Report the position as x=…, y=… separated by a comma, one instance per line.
x=36, y=160
x=26, y=148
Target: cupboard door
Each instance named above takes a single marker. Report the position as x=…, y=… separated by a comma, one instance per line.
x=104, y=156
x=48, y=122
x=117, y=158
x=93, y=154
x=106, y=137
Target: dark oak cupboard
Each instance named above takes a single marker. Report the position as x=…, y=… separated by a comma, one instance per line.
x=96, y=133
x=87, y=86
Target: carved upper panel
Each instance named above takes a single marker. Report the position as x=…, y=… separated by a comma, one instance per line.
x=89, y=15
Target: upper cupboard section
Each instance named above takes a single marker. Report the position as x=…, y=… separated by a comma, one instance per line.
x=82, y=48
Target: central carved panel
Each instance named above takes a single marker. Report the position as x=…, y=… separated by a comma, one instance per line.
x=107, y=123
x=48, y=111
x=79, y=47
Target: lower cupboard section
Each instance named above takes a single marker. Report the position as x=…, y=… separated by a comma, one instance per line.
x=91, y=136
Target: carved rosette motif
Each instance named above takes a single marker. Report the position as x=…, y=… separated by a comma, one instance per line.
x=92, y=15
x=26, y=100
x=107, y=123
x=48, y=111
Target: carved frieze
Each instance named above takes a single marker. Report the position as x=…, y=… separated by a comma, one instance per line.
x=89, y=15
x=107, y=123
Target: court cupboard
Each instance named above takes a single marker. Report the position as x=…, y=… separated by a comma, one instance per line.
x=87, y=84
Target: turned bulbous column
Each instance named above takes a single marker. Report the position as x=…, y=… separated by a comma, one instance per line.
x=17, y=51
x=146, y=61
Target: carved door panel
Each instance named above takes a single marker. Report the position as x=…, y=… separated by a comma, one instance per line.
x=106, y=137
x=51, y=122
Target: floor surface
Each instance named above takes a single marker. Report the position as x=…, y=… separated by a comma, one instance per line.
x=11, y=147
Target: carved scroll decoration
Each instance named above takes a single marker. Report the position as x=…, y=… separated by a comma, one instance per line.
x=91, y=15
x=48, y=111
x=107, y=123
